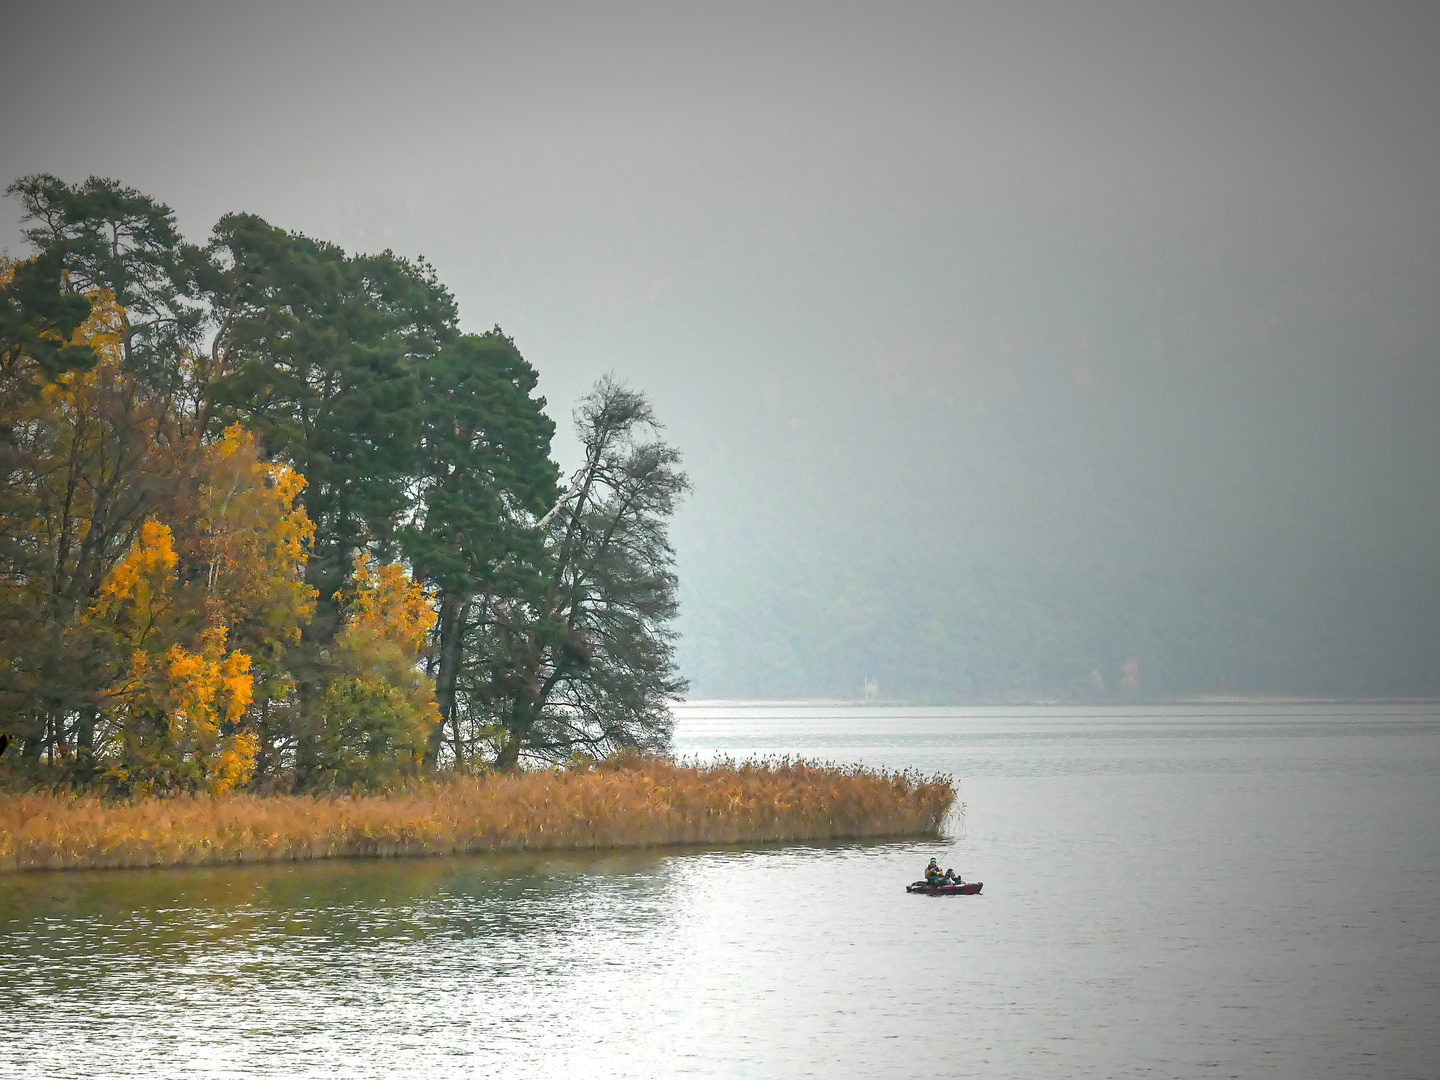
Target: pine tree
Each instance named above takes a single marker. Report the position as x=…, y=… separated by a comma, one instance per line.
x=485, y=478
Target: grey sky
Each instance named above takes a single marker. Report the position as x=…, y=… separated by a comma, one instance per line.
x=1145, y=290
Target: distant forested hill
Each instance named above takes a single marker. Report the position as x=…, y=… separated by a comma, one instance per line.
x=757, y=625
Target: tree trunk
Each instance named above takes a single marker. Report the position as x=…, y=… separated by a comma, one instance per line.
x=516, y=730
x=307, y=665
x=454, y=613
x=85, y=745
x=509, y=755
x=309, y=724
x=32, y=739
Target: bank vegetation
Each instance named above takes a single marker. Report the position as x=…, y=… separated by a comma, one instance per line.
x=627, y=801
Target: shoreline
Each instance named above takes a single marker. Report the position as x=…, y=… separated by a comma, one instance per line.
x=654, y=804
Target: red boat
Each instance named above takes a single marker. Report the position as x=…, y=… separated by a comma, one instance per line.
x=968, y=888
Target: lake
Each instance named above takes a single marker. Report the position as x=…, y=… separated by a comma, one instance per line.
x=1192, y=891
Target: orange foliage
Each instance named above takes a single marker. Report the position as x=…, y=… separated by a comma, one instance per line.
x=137, y=593
x=204, y=690
x=200, y=689
x=388, y=605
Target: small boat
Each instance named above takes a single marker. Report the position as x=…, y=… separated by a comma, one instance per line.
x=967, y=888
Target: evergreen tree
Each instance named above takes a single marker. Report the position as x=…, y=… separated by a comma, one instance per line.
x=118, y=240
x=485, y=477
x=321, y=354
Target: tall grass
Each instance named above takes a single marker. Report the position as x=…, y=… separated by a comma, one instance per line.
x=648, y=803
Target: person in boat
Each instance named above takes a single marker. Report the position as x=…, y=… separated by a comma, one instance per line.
x=933, y=874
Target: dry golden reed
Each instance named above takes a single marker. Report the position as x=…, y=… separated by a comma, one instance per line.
x=651, y=803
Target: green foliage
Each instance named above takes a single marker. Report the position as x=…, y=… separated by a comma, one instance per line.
x=485, y=470
x=485, y=477
x=115, y=239
x=215, y=456
x=378, y=707
x=37, y=320
x=321, y=355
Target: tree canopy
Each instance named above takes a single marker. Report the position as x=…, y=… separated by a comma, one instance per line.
x=271, y=520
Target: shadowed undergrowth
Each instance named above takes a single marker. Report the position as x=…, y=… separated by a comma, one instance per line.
x=650, y=803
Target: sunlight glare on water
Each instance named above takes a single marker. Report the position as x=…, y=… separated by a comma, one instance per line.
x=1198, y=891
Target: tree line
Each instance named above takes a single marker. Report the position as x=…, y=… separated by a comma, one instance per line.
x=270, y=520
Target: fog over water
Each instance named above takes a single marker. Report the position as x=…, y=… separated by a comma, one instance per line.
x=1088, y=351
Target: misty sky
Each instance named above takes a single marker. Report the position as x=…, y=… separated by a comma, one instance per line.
x=1073, y=315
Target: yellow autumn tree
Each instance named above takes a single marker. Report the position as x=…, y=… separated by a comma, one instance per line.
x=250, y=536
x=173, y=717
x=205, y=694
x=203, y=612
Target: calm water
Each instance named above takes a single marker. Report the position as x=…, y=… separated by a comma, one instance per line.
x=1180, y=892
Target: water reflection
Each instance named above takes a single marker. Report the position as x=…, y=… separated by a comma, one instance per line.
x=300, y=920
x=367, y=967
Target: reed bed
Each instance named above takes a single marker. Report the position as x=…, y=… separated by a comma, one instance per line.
x=649, y=803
